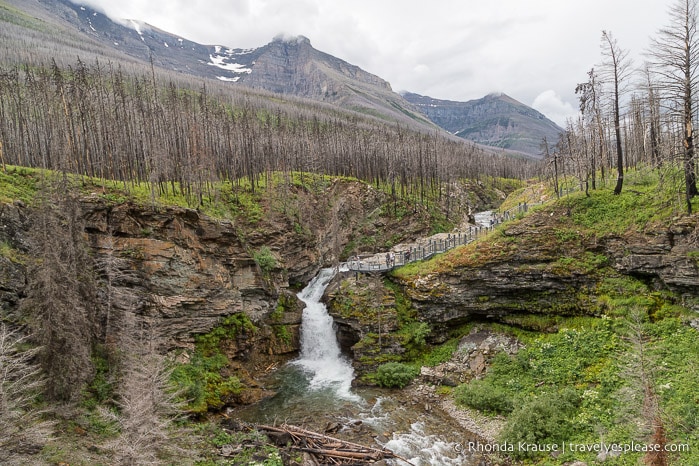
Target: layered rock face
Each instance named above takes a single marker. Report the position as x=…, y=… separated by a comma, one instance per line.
x=178, y=268
x=518, y=273
x=536, y=266
x=183, y=272
x=666, y=256
x=528, y=270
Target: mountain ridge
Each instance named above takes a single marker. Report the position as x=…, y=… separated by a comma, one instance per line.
x=495, y=120
x=286, y=65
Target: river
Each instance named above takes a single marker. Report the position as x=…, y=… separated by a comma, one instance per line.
x=316, y=391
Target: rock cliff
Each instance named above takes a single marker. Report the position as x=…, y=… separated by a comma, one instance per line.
x=665, y=255
x=184, y=272
x=292, y=66
x=536, y=266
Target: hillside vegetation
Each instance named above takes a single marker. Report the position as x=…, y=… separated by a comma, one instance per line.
x=100, y=121
x=128, y=274
x=575, y=220
x=613, y=361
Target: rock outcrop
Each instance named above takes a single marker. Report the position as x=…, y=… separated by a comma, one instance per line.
x=183, y=272
x=665, y=255
x=471, y=358
x=177, y=267
x=12, y=270
x=540, y=265
x=519, y=272
x=530, y=269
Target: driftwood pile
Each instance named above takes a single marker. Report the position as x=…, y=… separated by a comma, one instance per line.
x=325, y=450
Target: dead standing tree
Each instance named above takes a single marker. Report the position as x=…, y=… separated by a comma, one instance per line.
x=639, y=396
x=22, y=431
x=147, y=404
x=60, y=303
x=590, y=109
x=674, y=58
x=616, y=68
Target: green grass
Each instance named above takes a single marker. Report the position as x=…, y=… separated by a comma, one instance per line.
x=483, y=249
x=581, y=373
x=19, y=183
x=649, y=200
x=649, y=197
x=10, y=253
x=436, y=355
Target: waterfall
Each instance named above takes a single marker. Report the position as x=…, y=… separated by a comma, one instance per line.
x=320, y=356
x=317, y=386
x=483, y=218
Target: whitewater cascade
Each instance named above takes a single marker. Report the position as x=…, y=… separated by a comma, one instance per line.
x=329, y=377
x=320, y=354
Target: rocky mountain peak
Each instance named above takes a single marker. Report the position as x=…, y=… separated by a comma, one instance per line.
x=292, y=40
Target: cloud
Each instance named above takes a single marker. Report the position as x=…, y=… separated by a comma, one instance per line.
x=550, y=104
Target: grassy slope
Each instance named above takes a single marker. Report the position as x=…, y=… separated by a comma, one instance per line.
x=580, y=381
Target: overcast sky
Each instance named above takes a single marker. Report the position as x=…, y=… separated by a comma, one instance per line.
x=533, y=50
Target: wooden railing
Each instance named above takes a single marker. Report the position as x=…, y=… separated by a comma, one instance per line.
x=428, y=247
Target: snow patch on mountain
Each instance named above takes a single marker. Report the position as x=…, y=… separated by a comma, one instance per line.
x=222, y=58
x=138, y=27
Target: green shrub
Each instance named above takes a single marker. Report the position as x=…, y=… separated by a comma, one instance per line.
x=201, y=384
x=545, y=420
x=230, y=327
x=395, y=374
x=437, y=354
x=417, y=333
x=282, y=333
x=484, y=397
x=265, y=259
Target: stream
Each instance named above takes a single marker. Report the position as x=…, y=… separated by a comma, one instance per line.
x=315, y=391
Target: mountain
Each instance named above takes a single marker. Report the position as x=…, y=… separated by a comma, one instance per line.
x=495, y=120
x=287, y=65
x=63, y=30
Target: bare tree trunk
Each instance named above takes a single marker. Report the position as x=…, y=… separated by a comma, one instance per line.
x=147, y=404
x=60, y=303
x=22, y=431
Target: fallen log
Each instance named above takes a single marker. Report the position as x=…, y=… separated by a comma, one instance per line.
x=322, y=445
x=355, y=455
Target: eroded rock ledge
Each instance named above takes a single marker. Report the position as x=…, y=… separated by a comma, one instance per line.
x=539, y=265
